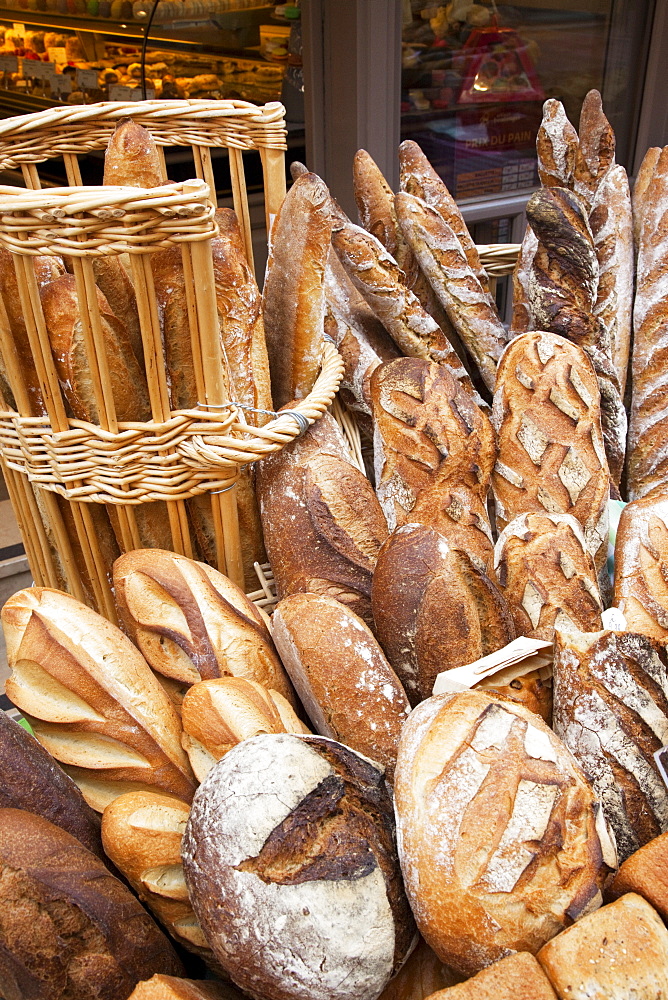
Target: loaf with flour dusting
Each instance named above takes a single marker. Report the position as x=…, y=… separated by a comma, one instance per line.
x=501, y=840
x=640, y=188
x=595, y=153
x=641, y=566
x=523, y=318
x=557, y=146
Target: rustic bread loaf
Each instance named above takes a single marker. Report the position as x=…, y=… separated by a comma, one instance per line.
x=323, y=525
x=619, y=951
x=344, y=682
x=517, y=977
x=291, y=866
x=641, y=559
x=115, y=284
x=640, y=188
x=91, y=699
x=611, y=711
x=523, y=318
x=595, y=153
x=68, y=929
x=427, y=429
x=191, y=622
x=219, y=713
x=557, y=145
x=160, y=987
x=646, y=873
x=434, y=608
x=500, y=838
x=132, y=157
x=460, y=515
x=551, y=457
x=422, y=974
x=547, y=575
x=142, y=833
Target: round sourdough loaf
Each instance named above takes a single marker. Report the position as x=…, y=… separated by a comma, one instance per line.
x=290, y=861
x=501, y=841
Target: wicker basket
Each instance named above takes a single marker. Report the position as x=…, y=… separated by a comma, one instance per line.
x=178, y=454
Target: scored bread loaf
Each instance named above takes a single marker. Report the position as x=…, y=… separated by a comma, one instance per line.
x=192, y=623
x=219, y=713
x=611, y=710
x=547, y=575
x=551, y=456
x=640, y=188
x=641, y=558
x=517, y=977
x=132, y=157
x=92, y=699
x=323, y=525
x=646, y=873
x=595, y=152
x=69, y=929
x=460, y=515
x=523, y=318
x=161, y=987
x=500, y=838
x=434, y=608
x=291, y=866
x=340, y=673
x=557, y=146
x=427, y=429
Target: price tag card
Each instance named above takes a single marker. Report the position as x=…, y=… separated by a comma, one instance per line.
x=9, y=64
x=19, y=29
x=57, y=54
x=137, y=94
x=119, y=93
x=37, y=69
x=87, y=79
x=61, y=84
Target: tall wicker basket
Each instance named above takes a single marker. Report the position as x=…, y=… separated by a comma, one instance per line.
x=68, y=465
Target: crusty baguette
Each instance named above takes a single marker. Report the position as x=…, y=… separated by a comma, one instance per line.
x=523, y=318
x=641, y=557
x=595, y=153
x=468, y=303
x=115, y=284
x=556, y=146
x=640, y=188
x=92, y=699
x=131, y=157
x=293, y=299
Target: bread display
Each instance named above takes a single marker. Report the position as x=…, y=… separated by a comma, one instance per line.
x=336, y=523
x=547, y=576
x=645, y=872
x=132, y=157
x=340, y=673
x=67, y=927
x=641, y=554
x=427, y=429
x=501, y=840
x=621, y=950
x=161, y=987
x=191, y=622
x=611, y=711
x=433, y=608
x=92, y=699
x=517, y=977
x=291, y=865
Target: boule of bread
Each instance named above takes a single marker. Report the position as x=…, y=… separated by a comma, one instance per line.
x=349, y=690
x=611, y=711
x=547, y=575
x=460, y=515
x=131, y=157
x=619, y=951
x=323, y=525
x=161, y=987
x=291, y=866
x=557, y=146
x=67, y=927
x=191, y=622
x=221, y=712
x=645, y=872
x=551, y=460
x=434, y=608
x=92, y=699
x=517, y=977
x=501, y=841
x=142, y=834
x=641, y=558
x=426, y=429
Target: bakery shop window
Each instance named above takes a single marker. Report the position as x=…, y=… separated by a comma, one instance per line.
x=475, y=76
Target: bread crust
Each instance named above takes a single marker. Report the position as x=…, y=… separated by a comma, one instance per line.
x=645, y=872
x=131, y=157
x=518, y=976
x=640, y=188
x=557, y=145
x=641, y=555
x=595, y=153
x=161, y=987
x=523, y=318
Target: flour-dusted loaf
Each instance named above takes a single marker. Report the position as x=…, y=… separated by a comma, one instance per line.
x=619, y=951
x=460, y=515
x=69, y=929
x=517, y=977
x=132, y=157
x=557, y=145
x=323, y=525
x=161, y=987
x=291, y=866
x=427, y=429
x=611, y=710
x=346, y=685
x=595, y=153
x=551, y=456
x=641, y=565
x=640, y=188
x=645, y=872
x=547, y=575
x=523, y=318
x=91, y=698
x=434, y=608
x=500, y=837
x=191, y=622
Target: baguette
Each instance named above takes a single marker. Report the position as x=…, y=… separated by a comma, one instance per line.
x=641, y=555
x=595, y=153
x=642, y=185
x=132, y=157
x=91, y=699
x=523, y=318
x=557, y=146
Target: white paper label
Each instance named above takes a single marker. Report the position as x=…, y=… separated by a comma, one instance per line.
x=119, y=93
x=19, y=29
x=61, y=83
x=38, y=70
x=87, y=79
x=57, y=54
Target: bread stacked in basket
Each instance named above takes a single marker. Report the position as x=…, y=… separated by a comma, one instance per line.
x=297, y=811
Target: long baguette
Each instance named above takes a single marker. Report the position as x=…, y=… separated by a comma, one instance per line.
x=557, y=145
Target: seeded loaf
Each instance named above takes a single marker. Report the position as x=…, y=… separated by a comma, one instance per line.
x=641, y=558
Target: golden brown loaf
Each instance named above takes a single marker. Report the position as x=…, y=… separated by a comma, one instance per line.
x=219, y=713
x=340, y=673
x=69, y=929
x=619, y=951
x=460, y=515
x=92, y=699
x=611, y=710
x=551, y=456
x=498, y=830
x=132, y=157
x=160, y=987
x=191, y=622
x=557, y=146
x=640, y=188
x=641, y=558
x=293, y=299
x=114, y=282
x=427, y=429
x=645, y=872
x=523, y=318
x=433, y=608
x=517, y=977
x=595, y=153
x=547, y=575
x=323, y=525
